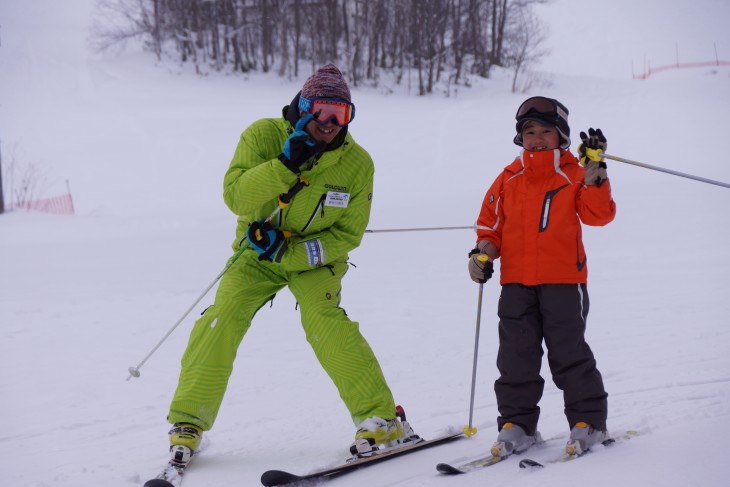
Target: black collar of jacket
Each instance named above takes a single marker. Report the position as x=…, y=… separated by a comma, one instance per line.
x=291, y=113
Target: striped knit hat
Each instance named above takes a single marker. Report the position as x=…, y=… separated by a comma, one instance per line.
x=326, y=82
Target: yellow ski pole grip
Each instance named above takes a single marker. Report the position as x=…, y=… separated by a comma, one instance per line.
x=483, y=258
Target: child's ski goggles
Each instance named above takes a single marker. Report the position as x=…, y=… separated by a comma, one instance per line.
x=543, y=108
x=340, y=112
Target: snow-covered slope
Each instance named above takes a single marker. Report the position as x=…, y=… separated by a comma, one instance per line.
x=83, y=298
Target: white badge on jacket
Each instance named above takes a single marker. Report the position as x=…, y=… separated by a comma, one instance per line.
x=340, y=200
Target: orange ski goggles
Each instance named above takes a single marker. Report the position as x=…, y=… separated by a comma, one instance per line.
x=326, y=110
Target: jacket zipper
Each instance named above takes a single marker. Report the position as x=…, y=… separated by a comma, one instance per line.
x=545, y=216
x=320, y=205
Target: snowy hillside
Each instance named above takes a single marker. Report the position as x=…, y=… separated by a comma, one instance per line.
x=144, y=148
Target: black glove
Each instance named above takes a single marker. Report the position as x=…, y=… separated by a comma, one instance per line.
x=480, y=267
x=265, y=239
x=591, y=156
x=299, y=148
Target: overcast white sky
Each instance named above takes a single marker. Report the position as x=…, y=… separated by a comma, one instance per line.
x=617, y=33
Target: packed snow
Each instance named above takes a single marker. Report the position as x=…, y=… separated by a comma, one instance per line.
x=144, y=147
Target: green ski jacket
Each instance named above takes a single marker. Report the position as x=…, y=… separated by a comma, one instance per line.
x=327, y=218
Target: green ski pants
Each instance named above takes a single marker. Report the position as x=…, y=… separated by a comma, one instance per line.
x=336, y=340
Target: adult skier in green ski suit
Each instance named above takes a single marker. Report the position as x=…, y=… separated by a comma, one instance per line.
x=303, y=246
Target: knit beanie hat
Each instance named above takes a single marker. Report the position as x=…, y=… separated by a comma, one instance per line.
x=326, y=82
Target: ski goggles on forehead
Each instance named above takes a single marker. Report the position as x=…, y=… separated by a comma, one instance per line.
x=326, y=110
x=545, y=108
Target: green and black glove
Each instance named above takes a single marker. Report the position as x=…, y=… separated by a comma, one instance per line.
x=591, y=156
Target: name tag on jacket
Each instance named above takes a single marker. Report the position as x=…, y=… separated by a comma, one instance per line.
x=340, y=200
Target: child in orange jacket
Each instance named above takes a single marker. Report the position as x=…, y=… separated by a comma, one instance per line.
x=531, y=218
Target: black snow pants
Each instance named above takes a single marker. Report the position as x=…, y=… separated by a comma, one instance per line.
x=556, y=313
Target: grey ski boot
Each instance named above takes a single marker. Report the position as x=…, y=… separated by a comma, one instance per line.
x=582, y=437
x=513, y=439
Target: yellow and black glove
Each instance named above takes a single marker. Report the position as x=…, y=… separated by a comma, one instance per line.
x=591, y=156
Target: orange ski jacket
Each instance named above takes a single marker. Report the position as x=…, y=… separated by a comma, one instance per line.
x=533, y=212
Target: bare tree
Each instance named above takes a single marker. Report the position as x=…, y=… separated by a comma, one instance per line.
x=499, y=10
x=358, y=42
x=297, y=34
x=440, y=41
x=284, y=45
x=122, y=20
x=28, y=182
x=525, y=47
x=457, y=43
x=24, y=180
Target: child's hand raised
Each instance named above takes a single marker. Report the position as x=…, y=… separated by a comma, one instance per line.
x=591, y=156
